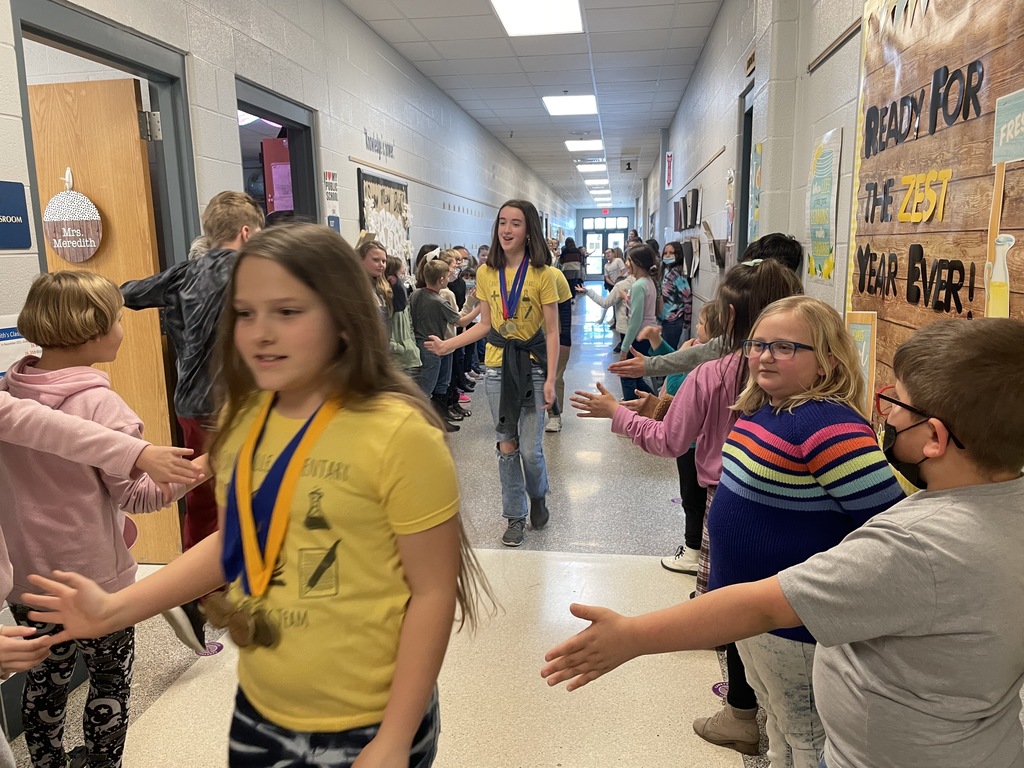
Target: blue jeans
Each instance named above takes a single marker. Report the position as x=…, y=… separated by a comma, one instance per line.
x=255, y=742
x=822, y=763
x=523, y=473
x=435, y=372
x=631, y=386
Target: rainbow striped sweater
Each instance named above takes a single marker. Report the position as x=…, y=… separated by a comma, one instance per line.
x=794, y=484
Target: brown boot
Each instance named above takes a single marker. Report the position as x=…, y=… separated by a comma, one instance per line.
x=732, y=728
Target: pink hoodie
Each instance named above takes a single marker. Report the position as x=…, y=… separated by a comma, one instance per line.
x=60, y=513
x=699, y=412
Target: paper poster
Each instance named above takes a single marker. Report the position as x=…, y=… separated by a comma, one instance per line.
x=862, y=327
x=822, y=202
x=754, y=208
x=282, y=183
x=13, y=345
x=936, y=215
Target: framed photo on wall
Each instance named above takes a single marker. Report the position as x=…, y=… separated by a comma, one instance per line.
x=863, y=327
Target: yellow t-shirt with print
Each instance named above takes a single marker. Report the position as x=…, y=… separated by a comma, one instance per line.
x=538, y=290
x=562, y=289
x=338, y=592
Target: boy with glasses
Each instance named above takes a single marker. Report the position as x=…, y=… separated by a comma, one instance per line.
x=917, y=613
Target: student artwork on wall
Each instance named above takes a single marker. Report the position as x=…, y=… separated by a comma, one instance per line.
x=937, y=166
x=384, y=209
x=754, y=205
x=822, y=199
x=862, y=327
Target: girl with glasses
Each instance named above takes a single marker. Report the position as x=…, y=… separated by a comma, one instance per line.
x=801, y=468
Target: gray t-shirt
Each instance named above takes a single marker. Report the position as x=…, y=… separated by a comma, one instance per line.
x=919, y=618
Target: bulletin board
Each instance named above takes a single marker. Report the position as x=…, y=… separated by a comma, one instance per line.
x=938, y=184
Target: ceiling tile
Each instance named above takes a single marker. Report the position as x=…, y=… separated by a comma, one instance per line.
x=484, y=66
x=460, y=28
x=688, y=37
x=630, y=18
x=483, y=48
x=572, y=77
x=556, y=63
x=613, y=42
x=545, y=45
x=418, y=9
x=396, y=31
x=372, y=10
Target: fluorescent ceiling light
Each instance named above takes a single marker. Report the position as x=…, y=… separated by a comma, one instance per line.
x=596, y=182
x=592, y=167
x=584, y=145
x=539, y=17
x=244, y=118
x=570, y=105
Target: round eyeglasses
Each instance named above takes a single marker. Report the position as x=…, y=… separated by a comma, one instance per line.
x=780, y=350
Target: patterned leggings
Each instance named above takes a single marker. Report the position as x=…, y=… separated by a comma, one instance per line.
x=44, y=702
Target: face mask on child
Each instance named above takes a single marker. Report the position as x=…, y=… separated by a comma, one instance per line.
x=909, y=469
x=470, y=283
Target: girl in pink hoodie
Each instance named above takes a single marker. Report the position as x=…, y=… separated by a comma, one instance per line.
x=64, y=514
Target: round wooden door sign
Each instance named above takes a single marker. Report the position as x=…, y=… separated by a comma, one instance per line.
x=72, y=226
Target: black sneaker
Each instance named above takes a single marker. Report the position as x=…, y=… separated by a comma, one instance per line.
x=465, y=385
x=515, y=533
x=189, y=625
x=449, y=427
x=463, y=412
x=78, y=757
x=453, y=415
x=538, y=513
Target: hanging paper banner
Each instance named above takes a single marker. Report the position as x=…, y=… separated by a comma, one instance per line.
x=822, y=201
x=937, y=185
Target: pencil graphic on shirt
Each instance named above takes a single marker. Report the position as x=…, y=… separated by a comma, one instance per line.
x=325, y=564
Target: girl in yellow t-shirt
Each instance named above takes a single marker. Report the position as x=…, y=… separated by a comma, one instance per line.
x=339, y=529
x=519, y=318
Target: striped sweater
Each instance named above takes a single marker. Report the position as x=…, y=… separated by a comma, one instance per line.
x=794, y=484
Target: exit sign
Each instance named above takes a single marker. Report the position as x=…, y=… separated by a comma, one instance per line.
x=604, y=211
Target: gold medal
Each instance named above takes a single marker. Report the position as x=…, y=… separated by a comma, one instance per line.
x=507, y=328
x=246, y=624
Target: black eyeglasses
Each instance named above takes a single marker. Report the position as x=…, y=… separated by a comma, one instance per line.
x=884, y=404
x=780, y=350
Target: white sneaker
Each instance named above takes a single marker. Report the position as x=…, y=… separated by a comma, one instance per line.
x=554, y=424
x=683, y=561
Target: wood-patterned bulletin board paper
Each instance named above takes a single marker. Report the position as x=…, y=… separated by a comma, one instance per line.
x=929, y=200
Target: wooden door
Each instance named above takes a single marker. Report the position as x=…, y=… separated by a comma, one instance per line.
x=93, y=128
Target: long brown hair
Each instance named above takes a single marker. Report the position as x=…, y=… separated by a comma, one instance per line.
x=361, y=375
x=536, y=245
x=381, y=286
x=646, y=258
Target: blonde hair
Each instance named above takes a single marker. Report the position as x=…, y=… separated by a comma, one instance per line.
x=226, y=214
x=834, y=351
x=361, y=372
x=68, y=308
x=435, y=270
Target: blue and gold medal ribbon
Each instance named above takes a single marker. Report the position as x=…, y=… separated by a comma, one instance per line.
x=510, y=299
x=255, y=526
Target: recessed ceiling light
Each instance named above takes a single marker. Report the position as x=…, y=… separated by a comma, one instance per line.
x=570, y=105
x=584, y=145
x=539, y=17
x=244, y=118
x=596, y=182
x=592, y=167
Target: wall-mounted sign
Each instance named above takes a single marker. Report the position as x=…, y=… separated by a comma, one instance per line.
x=936, y=208
x=668, y=170
x=15, y=234
x=385, y=150
x=71, y=224
x=331, y=194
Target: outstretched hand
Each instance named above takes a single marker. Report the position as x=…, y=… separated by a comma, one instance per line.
x=637, y=406
x=436, y=345
x=76, y=602
x=651, y=333
x=631, y=367
x=168, y=464
x=17, y=653
x=598, y=649
x=599, y=405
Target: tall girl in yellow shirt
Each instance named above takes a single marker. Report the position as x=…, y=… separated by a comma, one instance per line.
x=339, y=530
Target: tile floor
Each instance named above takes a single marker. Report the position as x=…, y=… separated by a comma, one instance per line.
x=613, y=515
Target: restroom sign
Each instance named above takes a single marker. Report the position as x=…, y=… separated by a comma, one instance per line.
x=15, y=234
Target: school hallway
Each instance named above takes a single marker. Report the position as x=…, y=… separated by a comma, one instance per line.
x=614, y=514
